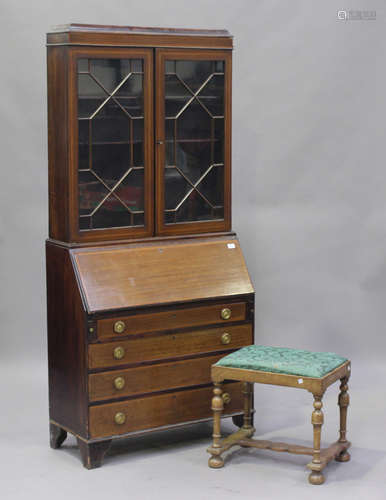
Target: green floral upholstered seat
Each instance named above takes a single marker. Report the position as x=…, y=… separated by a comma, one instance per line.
x=283, y=360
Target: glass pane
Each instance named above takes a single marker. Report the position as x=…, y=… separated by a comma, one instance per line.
x=139, y=220
x=170, y=144
x=130, y=191
x=111, y=211
x=111, y=143
x=137, y=152
x=194, y=208
x=83, y=144
x=170, y=153
x=111, y=124
x=194, y=73
x=176, y=188
x=212, y=95
x=193, y=158
x=194, y=123
x=88, y=87
x=82, y=65
x=130, y=96
x=110, y=161
x=110, y=72
x=211, y=186
x=194, y=141
x=85, y=223
x=170, y=129
x=219, y=66
x=176, y=96
x=219, y=141
x=91, y=193
x=91, y=94
x=84, y=132
x=137, y=65
x=170, y=67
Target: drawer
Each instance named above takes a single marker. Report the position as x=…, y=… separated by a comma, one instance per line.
x=168, y=345
x=169, y=320
x=153, y=378
x=160, y=410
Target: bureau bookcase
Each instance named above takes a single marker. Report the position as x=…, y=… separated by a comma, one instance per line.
x=146, y=282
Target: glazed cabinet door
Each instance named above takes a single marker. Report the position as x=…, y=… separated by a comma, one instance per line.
x=193, y=152
x=111, y=140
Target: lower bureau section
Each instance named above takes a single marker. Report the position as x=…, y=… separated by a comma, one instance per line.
x=160, y=410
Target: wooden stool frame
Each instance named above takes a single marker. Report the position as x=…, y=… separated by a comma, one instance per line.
x=243, y=437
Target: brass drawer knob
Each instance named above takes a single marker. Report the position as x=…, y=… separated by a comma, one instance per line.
x=119, y=418
x=118, y=352
x=226, y=313
x=226, y=397
x=226, y=338
x=119, y=383
x=119, y=326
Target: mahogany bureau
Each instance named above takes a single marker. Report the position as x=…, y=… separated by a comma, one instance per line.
x=146, y=283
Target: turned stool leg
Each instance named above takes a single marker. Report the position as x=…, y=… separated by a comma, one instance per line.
x=247, y=417
x=316, y=476
x=216, y=461
x=343, y=402
x=248, y=392
x=245, y=421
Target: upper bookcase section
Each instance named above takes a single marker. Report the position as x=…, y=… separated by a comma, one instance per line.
x=139, y=132
x=130, y=36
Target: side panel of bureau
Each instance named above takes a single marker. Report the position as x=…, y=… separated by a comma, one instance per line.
x=160, y=410
x=67, y=367
x=165, y=346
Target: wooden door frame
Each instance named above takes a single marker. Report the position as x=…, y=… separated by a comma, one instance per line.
x=197, y=226
x=93, y=235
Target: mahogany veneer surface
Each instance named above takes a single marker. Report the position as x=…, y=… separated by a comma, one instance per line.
x=171, y=319
x=153, y=378
x=166, y=346
x=126, y=36
x=127, y=276
x=108, y=28
x=157, y=411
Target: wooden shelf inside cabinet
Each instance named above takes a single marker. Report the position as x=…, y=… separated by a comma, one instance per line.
x=147, y=286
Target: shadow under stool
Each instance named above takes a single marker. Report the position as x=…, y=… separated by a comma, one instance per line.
x=313, y=371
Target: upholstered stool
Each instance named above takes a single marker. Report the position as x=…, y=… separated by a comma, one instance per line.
x=313, y=371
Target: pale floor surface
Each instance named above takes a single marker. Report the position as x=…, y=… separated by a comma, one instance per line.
x=173, y=464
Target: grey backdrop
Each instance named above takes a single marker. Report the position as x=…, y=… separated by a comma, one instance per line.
x=309, y=200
